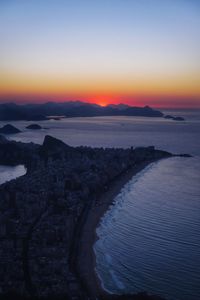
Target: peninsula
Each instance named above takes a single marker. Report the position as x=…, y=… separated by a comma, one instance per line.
x=48, y=217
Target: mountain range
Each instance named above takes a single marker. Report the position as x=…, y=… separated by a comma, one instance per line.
x=32, y=112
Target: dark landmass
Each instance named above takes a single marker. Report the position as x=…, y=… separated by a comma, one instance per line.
x=56, y=118
x=43, y=215
x=178, y=119
x=174, y=118
x=139, y=296
x=185, y=155
x=34, y=127
x=9, y=129
x=35, y=112
x=169, y=117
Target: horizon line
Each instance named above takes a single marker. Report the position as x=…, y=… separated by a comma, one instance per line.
x=29, y=102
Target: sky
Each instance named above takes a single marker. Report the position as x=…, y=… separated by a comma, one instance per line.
x=104, y=51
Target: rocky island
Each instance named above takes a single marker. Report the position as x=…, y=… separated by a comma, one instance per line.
x=9, y=129
x=34, y=127
x=174, y=118
x=48, y=217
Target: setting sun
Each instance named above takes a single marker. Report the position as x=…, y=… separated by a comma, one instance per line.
x=103, y=100
x=102, y=103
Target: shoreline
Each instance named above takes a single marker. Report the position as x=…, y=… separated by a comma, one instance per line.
x=86, y=258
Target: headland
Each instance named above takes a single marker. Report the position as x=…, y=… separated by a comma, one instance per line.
x=48, y=217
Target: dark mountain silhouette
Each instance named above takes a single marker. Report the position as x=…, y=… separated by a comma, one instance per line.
x=34, y=112
x=34, y=127
x=174, y=118
x=51, y=145
x=9, y=129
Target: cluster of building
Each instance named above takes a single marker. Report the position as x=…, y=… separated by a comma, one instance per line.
x=39, y=211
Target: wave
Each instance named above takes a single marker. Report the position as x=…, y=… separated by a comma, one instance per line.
x=151, y=235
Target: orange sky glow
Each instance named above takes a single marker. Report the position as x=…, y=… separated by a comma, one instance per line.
x=179, y=91
x=101, y=52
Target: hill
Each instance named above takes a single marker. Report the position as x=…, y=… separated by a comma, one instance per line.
x=36, y=112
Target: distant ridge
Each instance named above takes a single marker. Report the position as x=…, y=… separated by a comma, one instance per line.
x=34, y=112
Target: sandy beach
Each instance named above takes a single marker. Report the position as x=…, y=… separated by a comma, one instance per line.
x=85, y=260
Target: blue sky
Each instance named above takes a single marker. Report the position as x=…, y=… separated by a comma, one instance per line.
x=91, y=40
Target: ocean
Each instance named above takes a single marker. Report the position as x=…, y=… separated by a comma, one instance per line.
x=149, y=240
x=8, y=173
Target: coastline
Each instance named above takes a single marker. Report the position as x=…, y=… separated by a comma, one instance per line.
x=85, y=256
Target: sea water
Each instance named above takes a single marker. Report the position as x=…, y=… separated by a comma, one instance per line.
x=174, y=136
x=8, y=173
x=149, y=240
